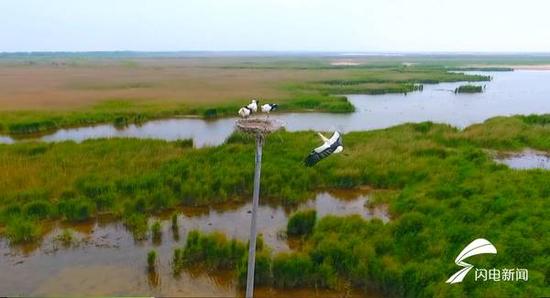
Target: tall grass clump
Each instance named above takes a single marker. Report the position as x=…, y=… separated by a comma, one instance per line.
x=213, y=250
x=177, y=261
x=210, y=251
x=66, y=238
x=263, y=274
x=20, y=230
x=151, y=261
x=536, y=119
x=293, y=271
x=39, y=209
x=469, y=89
x=175, y=227
x=301, y=223
x=31, y=127
x=156, y=232
x=76, y=209
x=185, y=143
x=137, y=224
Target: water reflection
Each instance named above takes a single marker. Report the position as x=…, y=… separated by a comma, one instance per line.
x=105, y=260
x=509, y=93
x=203, y=133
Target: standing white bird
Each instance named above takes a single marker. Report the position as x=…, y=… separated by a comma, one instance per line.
x=253, y=106
x=330, y=146
x=244, y=112
x=269, y=107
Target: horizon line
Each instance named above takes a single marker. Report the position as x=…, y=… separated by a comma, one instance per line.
x=269, y=51
x=320, y=52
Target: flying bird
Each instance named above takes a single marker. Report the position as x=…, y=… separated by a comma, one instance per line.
x=253, y=106
x=330, y=146
x=268, y=107
x=244, y=112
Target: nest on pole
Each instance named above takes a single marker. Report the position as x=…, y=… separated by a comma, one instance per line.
x=259, y=127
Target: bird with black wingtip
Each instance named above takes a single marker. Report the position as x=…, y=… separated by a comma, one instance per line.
x=249, y=109
x=330, y=146
x=268, y=108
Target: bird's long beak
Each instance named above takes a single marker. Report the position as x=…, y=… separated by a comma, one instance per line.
x=323, y=137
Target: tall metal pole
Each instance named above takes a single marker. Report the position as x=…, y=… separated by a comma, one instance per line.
x=255, y=201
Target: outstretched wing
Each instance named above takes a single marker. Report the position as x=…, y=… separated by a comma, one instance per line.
x=335, y=138
x=324, y=150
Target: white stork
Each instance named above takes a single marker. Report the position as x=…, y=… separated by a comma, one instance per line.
x=268, y=107
x=244, y=112
x=330, y=146
x=253, y=106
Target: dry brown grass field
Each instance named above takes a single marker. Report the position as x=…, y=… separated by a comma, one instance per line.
x=72, y=82
x=63, y=85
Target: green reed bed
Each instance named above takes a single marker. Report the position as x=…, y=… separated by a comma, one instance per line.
x=446, y=191
x=301, y=223
x=156, y=232
x=211, y=251
x=152, y=261
x=469, y=89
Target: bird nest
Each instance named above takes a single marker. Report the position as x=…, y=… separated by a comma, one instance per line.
x=259, y=126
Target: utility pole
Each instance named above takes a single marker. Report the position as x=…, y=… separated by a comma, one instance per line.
x=260, y=129
x=253, y=232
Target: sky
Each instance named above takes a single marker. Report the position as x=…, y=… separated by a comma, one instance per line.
x=276, y=25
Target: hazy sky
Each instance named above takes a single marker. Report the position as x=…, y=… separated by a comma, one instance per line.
x=279, y=25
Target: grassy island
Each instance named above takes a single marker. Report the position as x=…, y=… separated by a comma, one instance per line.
x=469, y=89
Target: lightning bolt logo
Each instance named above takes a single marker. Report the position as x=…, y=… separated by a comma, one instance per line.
x=476, y=247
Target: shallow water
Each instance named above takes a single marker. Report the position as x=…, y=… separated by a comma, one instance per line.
x=526, y=160
x=509, y=93
x=107, y=261
x=6, y=140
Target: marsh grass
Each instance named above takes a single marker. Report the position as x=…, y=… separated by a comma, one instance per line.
x=20, y=230
x=177, y=261
x=66, y=238
x=156, y=232
x=439, y=177
x=137, y=224
x=208, y=251
x=301, y=223
x=186, y=143
x=294, y=271
x=536, y=119
x=159, y=175
x=152, y=261
x=484, y=68
x=469, y=89
x=175, y=227
x=263, y=275
x=76, y=209
x=214, y=252
x=306, y=88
